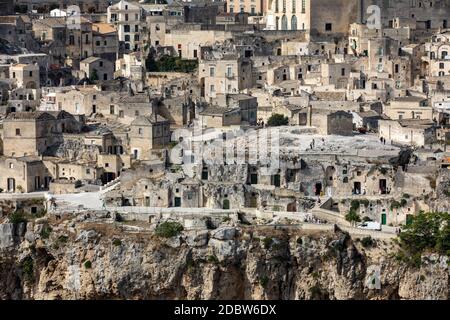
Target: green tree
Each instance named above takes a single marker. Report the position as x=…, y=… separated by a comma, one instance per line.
x=353, y=217
x=277, y=120
x=428, y=232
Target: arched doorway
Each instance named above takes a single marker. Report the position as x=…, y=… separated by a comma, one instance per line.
x=284, y=23
x=226, y=204
x=294, y=23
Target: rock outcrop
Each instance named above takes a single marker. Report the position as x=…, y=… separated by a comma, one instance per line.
x=101, y=260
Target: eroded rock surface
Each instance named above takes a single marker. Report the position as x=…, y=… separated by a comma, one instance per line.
x=95, y=260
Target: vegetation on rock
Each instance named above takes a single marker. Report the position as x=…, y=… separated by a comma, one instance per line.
x=168, y=229
x=427, y=233
x=277, y=120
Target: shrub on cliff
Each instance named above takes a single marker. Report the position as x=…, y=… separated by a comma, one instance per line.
x=168, y=229
x=28, y=268
x=428, y=232
x=17, y=217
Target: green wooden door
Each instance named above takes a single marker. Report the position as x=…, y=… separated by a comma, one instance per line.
x=409, y=219
x=226, y=204
x=177, y=202
x=383, y=219
x=276, y=180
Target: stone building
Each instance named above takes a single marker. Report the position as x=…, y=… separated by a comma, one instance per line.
x=409, y=108
x=340, y=123
x=148, y=133
x=218, y=117
x=317, y=16
x=250, y=6
x=127, y=17
x=409, y=132
x=45, y=5
x=14, y=29
x=25, y=75
x=79, y=44
x=187, y=40
x=96, y=68
x=33, y=133
x=225, y=75
x=105, y=41
x=424, y=14
x=23, y=174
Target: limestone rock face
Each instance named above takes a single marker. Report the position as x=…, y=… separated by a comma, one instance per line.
x=224, y=233
x=6, y=235
x=101, y=260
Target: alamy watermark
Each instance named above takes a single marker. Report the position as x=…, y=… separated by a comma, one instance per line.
x=374, y=18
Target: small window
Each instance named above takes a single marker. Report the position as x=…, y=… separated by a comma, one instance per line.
x=106, y=165
x=17, y=132
x=328, y=26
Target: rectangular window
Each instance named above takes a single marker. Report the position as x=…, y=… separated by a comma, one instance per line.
x=229, y=71
x=328, y=27
x=211, y=71
x=111, y=109
x=17, y=132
